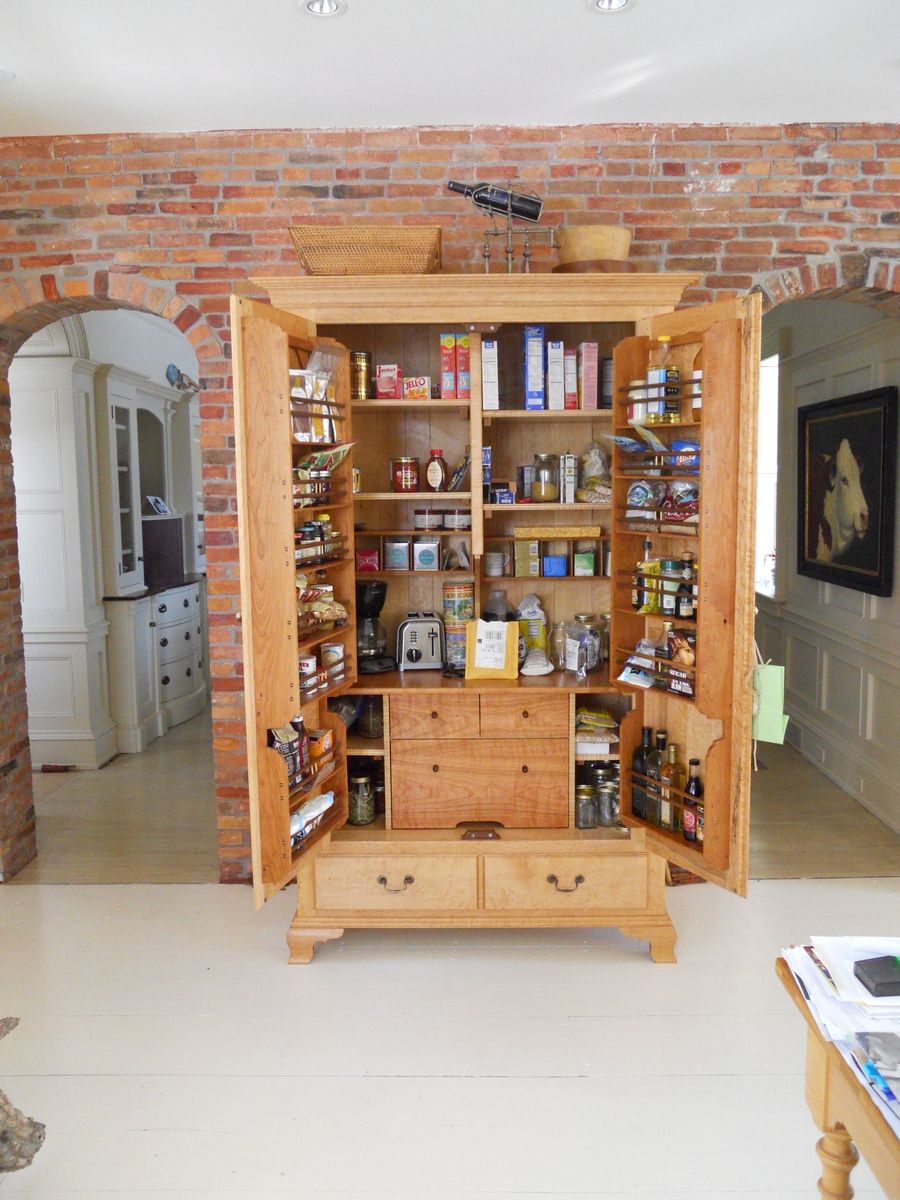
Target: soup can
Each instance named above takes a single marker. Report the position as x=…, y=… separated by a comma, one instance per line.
x=459, y=602
x=455, y=639
x=331, y=653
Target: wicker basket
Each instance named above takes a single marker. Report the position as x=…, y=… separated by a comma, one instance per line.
x=368, y=249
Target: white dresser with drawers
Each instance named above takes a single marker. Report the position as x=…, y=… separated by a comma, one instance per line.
x=158, y=655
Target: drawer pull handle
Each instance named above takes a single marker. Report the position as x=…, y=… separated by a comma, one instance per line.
x=165, y=680
x=164, y=641
x=186, y=603
x=162, y=608
x=524, y=770
x=435, y=768
x=187, y=635
x=579, y=880
x=525, y=713
x=434, y=716
x=408, y=881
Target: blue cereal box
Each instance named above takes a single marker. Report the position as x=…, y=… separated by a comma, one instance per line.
x=534, y=366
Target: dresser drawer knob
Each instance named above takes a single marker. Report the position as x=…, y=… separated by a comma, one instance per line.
x=162, y=608
x=524, y=770
x=164, y=641
x=189, y=672
x=408, y=881
x=579, y=880
x=187, y=635
x=434, y=716
x=165, y=680
x=525, y=713
x=186, y=603
x=435, y=768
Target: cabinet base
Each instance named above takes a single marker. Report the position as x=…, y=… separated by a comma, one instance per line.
x=302, y=941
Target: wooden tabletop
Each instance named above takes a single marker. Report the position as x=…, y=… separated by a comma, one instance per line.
x=836, y=1095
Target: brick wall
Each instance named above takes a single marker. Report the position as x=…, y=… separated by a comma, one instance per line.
x=169, y=223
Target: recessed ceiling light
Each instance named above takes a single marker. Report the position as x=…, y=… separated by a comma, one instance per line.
x=611, y=6
x=325, y=8
x=6, y=76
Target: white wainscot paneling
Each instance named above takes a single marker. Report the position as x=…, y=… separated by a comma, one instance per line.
x=842, y=691
x=883, y=714
x=43, y=561
x=50, y=683
x=857, y=378
x=845, y=599
x=801, y=676
x=37, y=441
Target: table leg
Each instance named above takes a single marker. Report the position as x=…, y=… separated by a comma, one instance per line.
x=838, y=1156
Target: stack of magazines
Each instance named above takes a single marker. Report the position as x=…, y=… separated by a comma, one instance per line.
x=864, y=1028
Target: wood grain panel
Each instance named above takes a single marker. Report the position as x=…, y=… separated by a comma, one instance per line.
x=430, y=882
x=447, y=716
x=520, y=783
x=565, y=882
x=536, y=716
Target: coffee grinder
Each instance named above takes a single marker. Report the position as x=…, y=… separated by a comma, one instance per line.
x=371, y=635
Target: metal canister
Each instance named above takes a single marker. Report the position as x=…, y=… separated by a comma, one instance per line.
x=361, y=807
x=360, y=375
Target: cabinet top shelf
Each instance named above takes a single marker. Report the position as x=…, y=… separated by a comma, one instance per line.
x=473, y=299
x=546, y=414
x=410, y=406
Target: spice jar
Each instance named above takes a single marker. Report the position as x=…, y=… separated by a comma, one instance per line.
x=545, y=485
x=585, y=807
x=405, y=474
x=361, y=808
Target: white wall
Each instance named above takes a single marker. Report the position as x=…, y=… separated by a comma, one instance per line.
x=140, y=342
x=840, y=648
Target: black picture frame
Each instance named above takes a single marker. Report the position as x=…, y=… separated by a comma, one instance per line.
x=846, y=490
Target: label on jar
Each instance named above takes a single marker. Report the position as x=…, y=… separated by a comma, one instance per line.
x=575, y=654
x=434, y=474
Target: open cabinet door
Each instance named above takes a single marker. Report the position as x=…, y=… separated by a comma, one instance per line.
x=707, y=708
x=266, y=343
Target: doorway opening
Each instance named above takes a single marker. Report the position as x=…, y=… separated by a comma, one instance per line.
x=106, y=459
x=827, y=803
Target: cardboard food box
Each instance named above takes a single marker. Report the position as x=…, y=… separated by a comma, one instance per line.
x=556, y=382
x=463, y=367
x=534, y=367
x=587, y=375
x=389, y=382
x=448, y=366
x=426, y=554
x=570, y=376
x=490, y=378
x=527, y=563
x=417, y=387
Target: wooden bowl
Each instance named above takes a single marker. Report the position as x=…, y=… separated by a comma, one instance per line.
x=583, y=243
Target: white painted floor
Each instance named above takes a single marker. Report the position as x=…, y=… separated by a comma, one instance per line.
x=172, y=1052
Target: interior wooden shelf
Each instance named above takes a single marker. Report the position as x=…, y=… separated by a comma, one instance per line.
x=411, y=406
x=543, y=578
x=404, y=497
x=420, y=574
x=530, y=506
x=306, y=641
x=413, y=532
x=436, y=681
x=543, y=414
x=358, y=746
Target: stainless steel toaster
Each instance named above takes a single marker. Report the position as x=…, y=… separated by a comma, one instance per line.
x=420, y=642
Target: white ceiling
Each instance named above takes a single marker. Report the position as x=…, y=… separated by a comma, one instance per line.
x=87, y=66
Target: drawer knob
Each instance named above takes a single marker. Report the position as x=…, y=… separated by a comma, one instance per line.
x=408, y=881
x=525, y=713
x=165, y=680
x=187, y=635
x=434, y=716
x=186, y=603
x=435, y=768
x=163, y=608
x=524, y=770
x=164, y=641
x=579, y=880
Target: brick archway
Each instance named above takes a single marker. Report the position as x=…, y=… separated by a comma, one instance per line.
x=26, y=306
x=861, y=278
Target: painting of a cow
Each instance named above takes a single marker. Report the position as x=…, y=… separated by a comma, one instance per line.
x=846, y=498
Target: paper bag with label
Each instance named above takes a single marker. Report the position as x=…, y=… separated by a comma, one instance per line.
x=492, y=650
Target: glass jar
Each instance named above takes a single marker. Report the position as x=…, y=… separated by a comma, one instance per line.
x=361, y=808
x=607, y=800
x=589, y=621
x=578, y=637
x=603, y=622
x=370, y=723
x=557, y=646
x=498, y=608
x=545, y=484
x=585, y=807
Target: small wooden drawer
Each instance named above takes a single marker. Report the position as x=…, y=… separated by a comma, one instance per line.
x=565, y=883
x=522, y=783
x=434, y=716
x=524, y=712
x=445, y=883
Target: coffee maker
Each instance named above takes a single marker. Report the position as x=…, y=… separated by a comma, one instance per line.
x=371, y=635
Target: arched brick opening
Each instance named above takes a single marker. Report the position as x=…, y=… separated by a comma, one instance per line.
x=26, y=306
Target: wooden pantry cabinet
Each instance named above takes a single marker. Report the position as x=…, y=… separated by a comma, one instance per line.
x=478, y=828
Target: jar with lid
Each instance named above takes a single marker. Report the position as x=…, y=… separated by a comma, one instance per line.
x=405, y=474
x=603, y=623
x=607, y=800
x=585, y=807
x=589, y=621
x=578, y=637
x=360, y=375
x=545, y=485
x=498, y=608
x=637, y=402
x=361, y=808
x=436, y=472
x=370, y=722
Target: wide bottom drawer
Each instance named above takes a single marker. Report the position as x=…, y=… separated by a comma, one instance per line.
x=565, y=882
x=379, y=883
x=521, y=783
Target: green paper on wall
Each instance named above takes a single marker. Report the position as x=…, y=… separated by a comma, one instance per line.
x=769, y=720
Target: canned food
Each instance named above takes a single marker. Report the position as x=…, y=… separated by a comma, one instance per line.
x=459, y=602
x=455, y=641
x=427, y=518
x=360, y=375
x=331, y=653
x=457, y=518
x=405, y=474
x=308, y=664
